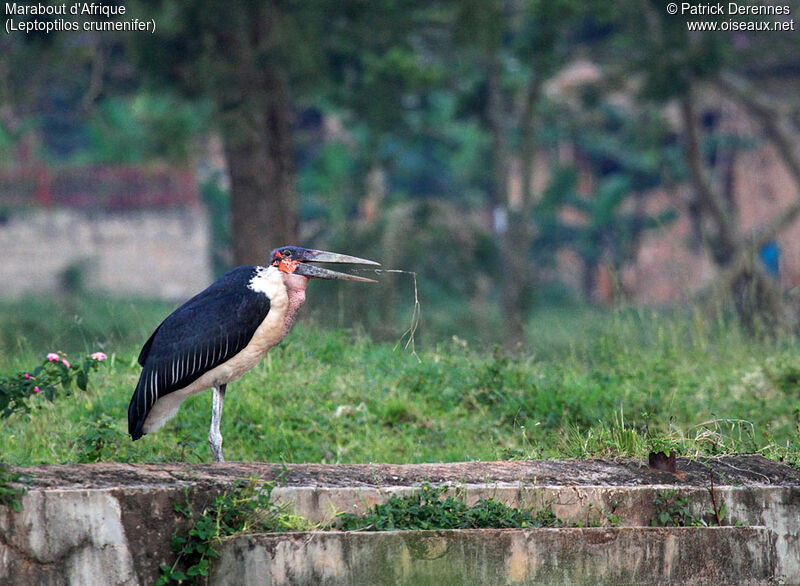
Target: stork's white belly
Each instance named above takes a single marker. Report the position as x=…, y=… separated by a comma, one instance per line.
x=268, y=334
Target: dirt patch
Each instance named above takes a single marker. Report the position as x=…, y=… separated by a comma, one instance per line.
x=727, y=471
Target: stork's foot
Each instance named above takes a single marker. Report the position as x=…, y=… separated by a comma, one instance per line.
x=215, y=441
x=214, y=434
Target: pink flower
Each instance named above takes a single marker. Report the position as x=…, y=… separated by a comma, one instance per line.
x=98, y=356
x=64, y=360
x=53, y=357
x=37, y=390
x=27, y=375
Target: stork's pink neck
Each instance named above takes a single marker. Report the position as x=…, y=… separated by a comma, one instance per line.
x=296, y=289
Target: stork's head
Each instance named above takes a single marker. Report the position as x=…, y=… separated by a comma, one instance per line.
x=292, y=260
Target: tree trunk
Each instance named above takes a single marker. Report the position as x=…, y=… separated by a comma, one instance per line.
x=260, y=156
x=511, y=240
x=589, y=280
x=756, y=297
x=255, y=114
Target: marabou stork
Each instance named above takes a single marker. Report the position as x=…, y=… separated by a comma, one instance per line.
x=221, y=333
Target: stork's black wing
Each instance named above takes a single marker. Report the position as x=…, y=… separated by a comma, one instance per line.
x=201, y=334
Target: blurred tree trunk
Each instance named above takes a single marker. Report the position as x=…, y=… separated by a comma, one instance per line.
x=756, y=297
x=772, y=117
x=496, y=28
x=231, y=55
x=260, y=156
x=516, y=229
x=255, y=113
x=519, y=275
x=511, y=229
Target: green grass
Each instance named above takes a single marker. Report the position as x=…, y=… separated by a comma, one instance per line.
x=587, y=384
x=31, y=327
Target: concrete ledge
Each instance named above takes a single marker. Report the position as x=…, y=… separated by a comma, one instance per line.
x=675, y=555
x=112, y=523
x=727, y=471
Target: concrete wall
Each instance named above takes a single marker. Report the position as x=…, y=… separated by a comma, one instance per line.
x=652, y=555
x=112, y=524
x=155, y=253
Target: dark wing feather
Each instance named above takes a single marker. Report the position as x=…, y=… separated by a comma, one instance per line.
x=201, y=334
x=146, y=348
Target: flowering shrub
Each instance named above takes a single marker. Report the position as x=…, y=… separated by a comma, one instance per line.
x=55, y=375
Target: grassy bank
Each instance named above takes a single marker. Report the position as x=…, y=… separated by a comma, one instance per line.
x=586, y=384
x=35, y=325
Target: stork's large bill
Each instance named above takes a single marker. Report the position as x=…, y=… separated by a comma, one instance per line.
x=331, y=257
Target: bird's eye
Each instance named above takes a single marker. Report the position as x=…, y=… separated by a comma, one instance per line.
x=287, y=253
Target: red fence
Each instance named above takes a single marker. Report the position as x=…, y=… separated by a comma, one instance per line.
x=110, y=188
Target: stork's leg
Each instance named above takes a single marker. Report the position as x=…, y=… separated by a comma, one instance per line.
x=214, y=435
